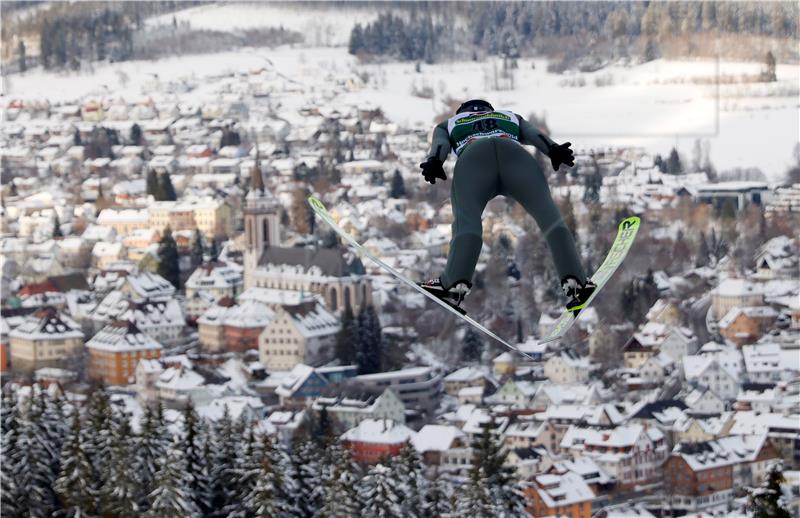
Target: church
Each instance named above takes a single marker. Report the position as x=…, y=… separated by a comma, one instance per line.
x=337, y=276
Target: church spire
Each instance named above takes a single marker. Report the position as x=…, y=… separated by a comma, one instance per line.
x=256, y=180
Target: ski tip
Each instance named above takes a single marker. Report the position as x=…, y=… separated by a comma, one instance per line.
x=629, y=223
x=316, y=204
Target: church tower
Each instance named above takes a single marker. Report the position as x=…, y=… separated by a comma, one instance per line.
x=261, y=222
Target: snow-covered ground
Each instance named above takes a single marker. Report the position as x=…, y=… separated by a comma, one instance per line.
x=654, y=105
x=323, y=25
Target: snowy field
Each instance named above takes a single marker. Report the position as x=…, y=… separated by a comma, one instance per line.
x=325, y=26
x=654, y=105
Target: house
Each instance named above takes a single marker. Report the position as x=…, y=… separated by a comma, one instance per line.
x=705, y=475
x=706, y=371
x=518, y=394
x=504, y=365
x=770, y=363
x=419, y=388
x=147, y=374
x=287, y=424
x=374, y=439
x=656, y=368
x=350, y=405
x=745, y=325
x=181, y=383
x=45, y=338
x=731, y=293
x=443, y=446
x=463, y=378
x=529, y=461
x=530, y=433
x=301, y=386
x=567, y=367
x=211, y=325
x=298, y=333
x=243, y=325
x=632, y=454
x=704, y=401
x=559, y=495
x=215, y=279
x=116, y=350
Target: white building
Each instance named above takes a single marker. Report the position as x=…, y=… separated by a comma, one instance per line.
x=567, y=367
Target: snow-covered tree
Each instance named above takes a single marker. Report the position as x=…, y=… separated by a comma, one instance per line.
x=412, y=485
x=269, y=497
x=337, y=490
x=192, y=441
x=75, y=482
x=379, y=493
x=767, y=500
x=150, y=448
x=119, y=492
x=171, y=495
x=223, y=456
x=306, y=462
x=10, y=491
x=438, y=499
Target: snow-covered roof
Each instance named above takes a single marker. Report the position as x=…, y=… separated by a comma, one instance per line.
x=215, y=276
x=737, y=288
x=770, y=357
x=47, y=324
x=465, y=374
x=292, y=381
x=749, y=311
x=562, y=490
x=312, y=319
x=122, y=336
x=379, y=431
x=148, y=285
x=180, y=379
x=434, y=437
x=726, y=451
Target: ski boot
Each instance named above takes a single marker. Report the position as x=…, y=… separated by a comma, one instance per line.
x=453, y=296
x=577, y=292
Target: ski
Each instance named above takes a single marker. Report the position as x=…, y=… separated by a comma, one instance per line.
x=319, y=208
x=619, y=250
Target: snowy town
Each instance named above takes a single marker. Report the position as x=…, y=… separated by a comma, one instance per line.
x=164, y=277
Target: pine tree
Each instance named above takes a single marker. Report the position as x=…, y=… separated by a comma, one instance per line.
x=472, y=349
x=213, y=252
x=398, y=188
x=269, y=496
x=222, y=461
x=168, y=266
x=247, y=468
x=12, y=494
x=437, y=499
x=149, y=448
x=674, y=162
x=136, y=135
x=164, y=188
x=191, y=446
x=57, y=227
x=337, y=495
x=322, y=432
x=75, y=483
x=347, y=338
x=198, y=250
x=171, y=496
x=369, y=355
x=118, y=495
x=412, y=485
x=379, y=494
x=152, y=183
x=766, y=501
x=702, y=252
x=491, y=480
x=306, y=461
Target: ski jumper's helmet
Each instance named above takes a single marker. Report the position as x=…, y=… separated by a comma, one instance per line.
x=474, y=105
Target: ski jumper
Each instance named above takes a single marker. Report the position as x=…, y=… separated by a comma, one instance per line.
x=491, y=161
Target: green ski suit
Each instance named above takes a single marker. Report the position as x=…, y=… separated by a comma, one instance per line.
x=490, y=162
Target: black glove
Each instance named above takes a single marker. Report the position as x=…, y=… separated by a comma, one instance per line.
x=561, y=154
x=432, y=169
